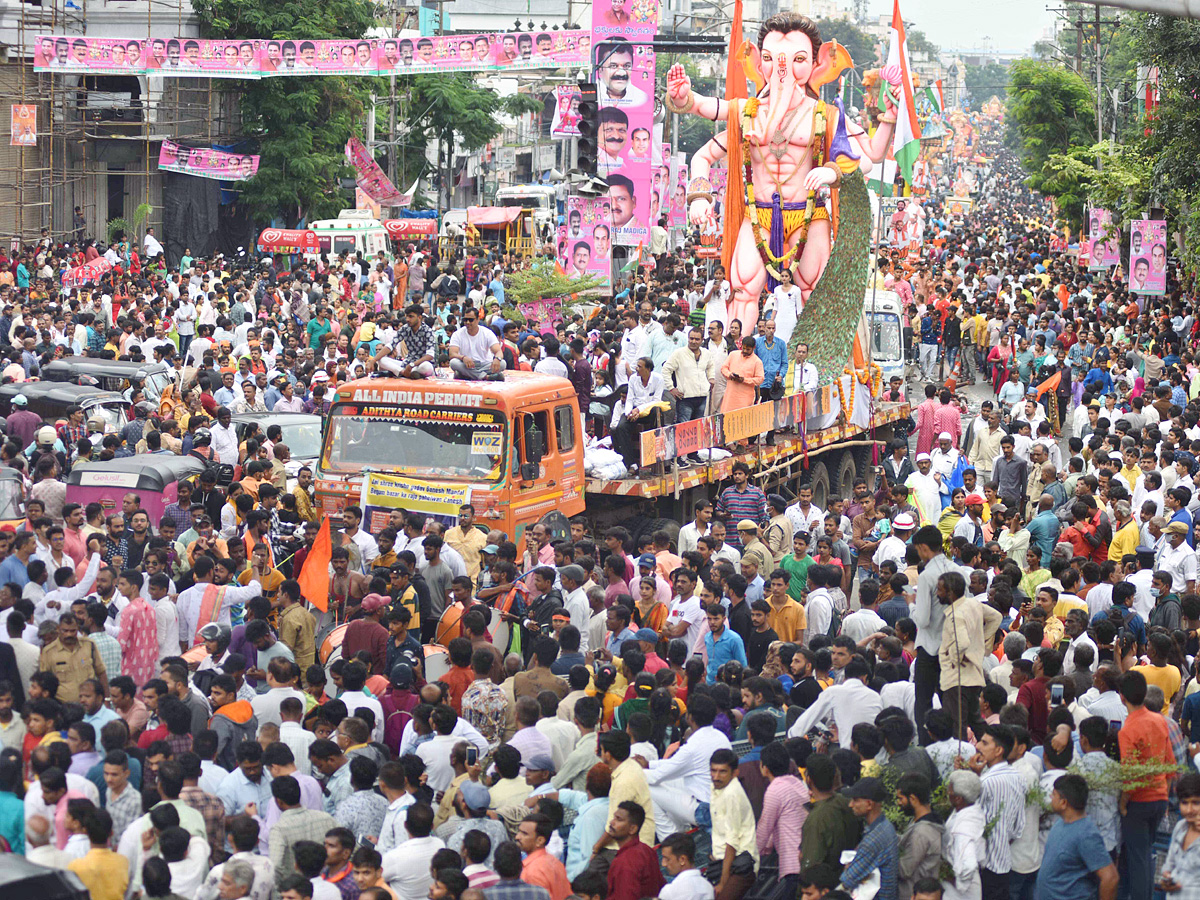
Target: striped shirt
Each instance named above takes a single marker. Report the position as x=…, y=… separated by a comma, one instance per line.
x=878, y=849
x=1003, y=803
x=782, y=821
x=750, y=503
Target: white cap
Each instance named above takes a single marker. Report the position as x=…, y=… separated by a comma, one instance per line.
x=904, y=522
x=945, y=436
x=922, y=457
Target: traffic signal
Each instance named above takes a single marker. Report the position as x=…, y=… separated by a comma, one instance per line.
x=589, y=127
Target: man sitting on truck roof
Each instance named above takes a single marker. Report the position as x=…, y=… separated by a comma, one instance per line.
x=416, y=337
x=475, y=352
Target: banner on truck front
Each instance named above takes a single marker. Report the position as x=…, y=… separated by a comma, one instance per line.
x=383, y=493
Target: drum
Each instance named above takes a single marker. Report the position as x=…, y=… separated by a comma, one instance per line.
x=437, y=662
x=331, y=646
x=449, y=626
x=499, y=628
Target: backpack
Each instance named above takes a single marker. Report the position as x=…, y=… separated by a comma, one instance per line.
x=835, y=621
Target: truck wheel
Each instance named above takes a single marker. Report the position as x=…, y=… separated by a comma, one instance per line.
x=670, y=526
x=847, y=471
x=818, y=480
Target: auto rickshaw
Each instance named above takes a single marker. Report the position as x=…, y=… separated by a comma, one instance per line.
x=12, y=497
x=153, y=477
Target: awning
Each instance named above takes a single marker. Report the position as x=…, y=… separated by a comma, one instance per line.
x=288, y=240
x=400, y=229
x=492, y=216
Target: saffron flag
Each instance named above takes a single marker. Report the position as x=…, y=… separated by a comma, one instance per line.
x=314, y=577
x=906, y=142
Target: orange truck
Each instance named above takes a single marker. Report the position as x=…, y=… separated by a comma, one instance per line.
x=515, y=450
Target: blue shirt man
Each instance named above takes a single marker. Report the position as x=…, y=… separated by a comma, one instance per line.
x=721, y=643
x=1043, y=531
x=773, y=354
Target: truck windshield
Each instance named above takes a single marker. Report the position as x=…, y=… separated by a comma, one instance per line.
x=430, y=442
x=885, y=335
x=525, y=202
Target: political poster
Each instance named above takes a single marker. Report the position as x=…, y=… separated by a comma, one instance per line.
x=1148, y=257
x=1104, y=248
x=24, y=125
x=543, y=314
x=371, y=178
x=589, y=237
x=186, y=57
x=679, y=193
x=86, y=55
x=566, y=112
x=634, y=20
x=304, y=57
x=624, y=75
x=206, y=163
x=88, y=273
x=202, y=58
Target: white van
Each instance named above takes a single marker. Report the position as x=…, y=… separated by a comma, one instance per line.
x=353, y=231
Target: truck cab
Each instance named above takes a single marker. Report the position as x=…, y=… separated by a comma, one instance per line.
x=516, y=444
x=540, y=198
x=885, y=318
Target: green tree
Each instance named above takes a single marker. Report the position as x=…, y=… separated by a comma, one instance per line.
x=863, y=49
x=301, y=124
x=986, y=81
x=1051, y=111
x=919, y=43
x=451, y=113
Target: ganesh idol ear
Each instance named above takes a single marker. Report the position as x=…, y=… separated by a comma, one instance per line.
x=752, y=65
x=832, y=60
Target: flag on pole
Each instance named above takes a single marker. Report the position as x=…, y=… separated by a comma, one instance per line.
x=882, y=178
x=906, y=142
x=635, y=260
x=934, y=99
x=314, y=577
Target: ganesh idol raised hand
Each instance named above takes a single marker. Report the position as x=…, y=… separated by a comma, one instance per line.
x=795, y=149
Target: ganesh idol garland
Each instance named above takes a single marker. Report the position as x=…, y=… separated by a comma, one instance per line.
x=796, y=151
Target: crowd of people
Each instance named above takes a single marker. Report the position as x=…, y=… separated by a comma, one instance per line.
x=974, y=678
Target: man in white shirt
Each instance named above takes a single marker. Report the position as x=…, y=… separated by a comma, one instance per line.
x=681, y=782
x=575, y=601
x=151, y=246
x=475, y=351
x=687, y=882
x=804, y=374
x=435, y=753
x=406, y=868
x=850, y=703
x=550, y=364
x=691, y=533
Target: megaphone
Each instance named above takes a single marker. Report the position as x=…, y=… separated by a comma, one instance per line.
x=555, y=176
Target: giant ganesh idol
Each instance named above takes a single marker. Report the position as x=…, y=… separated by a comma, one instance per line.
x=795, y=166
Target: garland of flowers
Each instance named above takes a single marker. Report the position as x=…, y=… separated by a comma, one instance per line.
x=761, y=240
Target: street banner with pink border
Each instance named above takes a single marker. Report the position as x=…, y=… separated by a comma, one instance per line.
x=589, y=237
x=1104, y=249
x=566, y=112
x=89, y=56
x=205, y=163
x=1148, y=257
x=371, y=178
x=88, y=273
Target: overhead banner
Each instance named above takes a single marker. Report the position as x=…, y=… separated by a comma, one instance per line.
x=1104, y=250
x=186, y=57
x=588, y=238
x=205, y=163
x=371, y=178
x=1148, y=257
x=24, y=125
x=566, y=112
x=383, y=493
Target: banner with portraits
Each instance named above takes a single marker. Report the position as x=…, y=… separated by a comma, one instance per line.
x=205, y=163
x=624, y=75
x=587, y=238
x=566, y=112
x=1148, y=257
x=257, y=58
x=370, y=178
x=1104, y=250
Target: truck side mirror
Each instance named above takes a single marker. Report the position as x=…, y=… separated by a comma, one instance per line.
x=535, y=449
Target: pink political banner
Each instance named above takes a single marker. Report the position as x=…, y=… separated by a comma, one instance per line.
x=305, y=57
x=371, y=178
x=634, y=20
x=206, y=163
x=90, y=56
x=88, y=273
x=624, y=74
x=544, y=314
x=588, y=238
x=202, y=58
x=566, y=112
x=1148, y=257
x=1104, y=250
x=678, y=216
x=185, y=57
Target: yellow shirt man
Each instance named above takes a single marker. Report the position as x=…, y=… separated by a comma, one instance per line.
x=104, y=873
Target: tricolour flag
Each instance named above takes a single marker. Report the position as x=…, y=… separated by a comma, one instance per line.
x=906, y=142
x=883, y=176
x=934, y=98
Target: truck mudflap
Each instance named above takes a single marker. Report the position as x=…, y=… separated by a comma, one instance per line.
x=787, y=446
